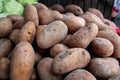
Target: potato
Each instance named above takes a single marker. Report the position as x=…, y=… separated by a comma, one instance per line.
x=4, y=68
x=116, y=77
x=57, y=48
x=38, y=57
x=102, y=47
x=5, y=27
x=66, y=39
x=30, y=14
x=74, y=23
x=5, y=47
x=114, y=38
x=22, y=61
x=69, y=60
x=49, y=35
x=44, y=70
x=40, y=6
x=74, y=9
x=83, y=36
x=80, y=74
x=18, y=24
x=58, y=7
x=27, y=32
x=34, y=75
x=104, y=68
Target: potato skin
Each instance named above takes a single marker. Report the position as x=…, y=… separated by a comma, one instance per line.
x=102, y=47
x=69, y=60
x=116, y=77
x=49, y=36
x=18, y=24
x=44, y=70
x=104, y=68
x=83, y=36
x=40, y=6
x=5, y=27
x=80, y=74
x=5, y=47
x=22, y=61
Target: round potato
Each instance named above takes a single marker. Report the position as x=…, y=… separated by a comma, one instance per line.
x=22, y=61
x=69, y=60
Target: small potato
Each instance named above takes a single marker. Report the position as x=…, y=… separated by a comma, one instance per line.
x=104, y=68
x=74, y=9
x=4, y=68
x=5, y=27
x=40, y=6
x=30, y=14
x=49, y=35
x=74, y=23
x=69, y=60
x=5, y=47
x=44, y=70
x=34, y=75
x=22, y=61
x=27, y=32
x=80, y=74
x=83, y=36
x=102, y=47
x=18, y=24
x=57, y=48
x=38, y=57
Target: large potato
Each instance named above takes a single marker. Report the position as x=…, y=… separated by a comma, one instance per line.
x=102, y=47
x=22, y=61
x=30, y=14
x=104, y=68
x=49, y=35
x=5, y=47
x=114, y=38
x=44, y=70
x=80, y=74
x=83, y=36
x=5, y=27
x=69, y=60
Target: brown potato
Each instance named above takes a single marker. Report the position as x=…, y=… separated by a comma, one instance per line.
x=40, y=6
x=80, y=74
x=57, y=48
x=5, y=27
x=38, y=57
x=18, y=24
x=102, y=47
x=114, y=38
x=4, y=68
x=34, y=75
x=116, y=77
x=49, y=35
x=5, y=47
x=74, y=9
x=69, y=60
x=30, y=14
x=27, y=32
x=66, y=39
x=104, y=68
x=44, y=70
x=22, y=61
x=83, y=36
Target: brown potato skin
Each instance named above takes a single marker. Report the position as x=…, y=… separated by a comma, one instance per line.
x=104, y=68
x=66, y=39
x=5, y=47
x=27, y=32
x=44, y=70
x=18, y=24
x=83, y=36
x=114, y=38
x=40, y=6
x=69, y=60
x=57, y=48
x=5, y=27
x=80, y=74
x=30, y=14
x=116, y=77
x=38, y=57
x=22, y=61
x=102, y=47
x=4, y=68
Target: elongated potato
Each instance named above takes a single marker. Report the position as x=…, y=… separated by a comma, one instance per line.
x=83, y=36
x=44, y=70
x=40, y=6
x=104, y=68
x=49, y=35
x=69, y=60
x=80, y=74
x=22, y=61
x=5, y=47
x=114, y=38
x=30, y=14
x=27, y=33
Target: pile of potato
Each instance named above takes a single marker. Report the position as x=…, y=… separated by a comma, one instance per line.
x=58, y=43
